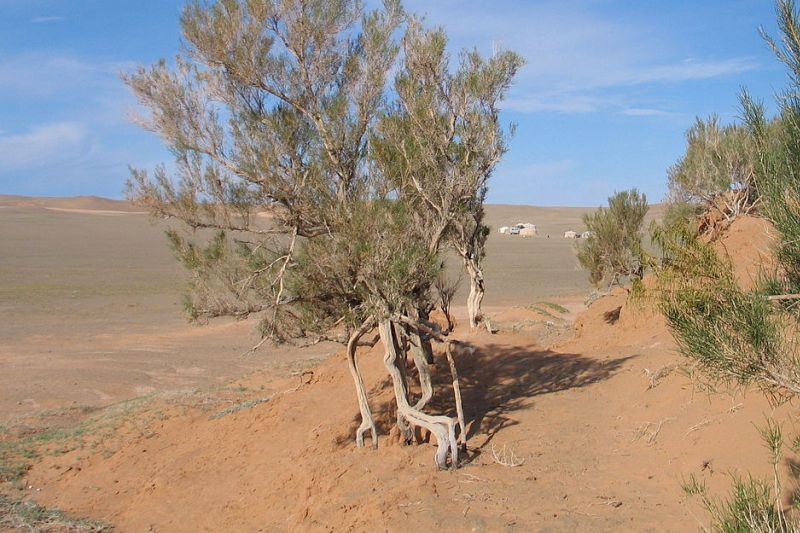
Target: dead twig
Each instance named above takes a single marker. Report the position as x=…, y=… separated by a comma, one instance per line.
x=506, y=457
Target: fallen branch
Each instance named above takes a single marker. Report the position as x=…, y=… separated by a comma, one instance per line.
x=506, y=457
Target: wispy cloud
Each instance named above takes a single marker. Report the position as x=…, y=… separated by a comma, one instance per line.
x=556, y=102
x=43, y=20
x=42, y=75
x=643, y=112
x=43, y=146
x=580, y=58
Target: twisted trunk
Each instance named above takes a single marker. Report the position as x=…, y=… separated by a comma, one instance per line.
x=422, y=353
x=441, y=427
x=476, y=291
x=401, y=363
x=462, y=436
x=367, y=423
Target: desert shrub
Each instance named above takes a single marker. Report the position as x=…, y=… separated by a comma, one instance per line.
x=287, y=108
x=679, y=212
x=735, y=335
x=717, y=171
x=614, y=247
x=739, y=335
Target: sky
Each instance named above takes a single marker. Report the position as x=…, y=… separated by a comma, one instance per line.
x=608, y=90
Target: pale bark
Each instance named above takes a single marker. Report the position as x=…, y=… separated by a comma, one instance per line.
x=476, y=291
x=401, y=363
x=441, y=427
x=367, y=422
x=462, y=437
x=422, y=354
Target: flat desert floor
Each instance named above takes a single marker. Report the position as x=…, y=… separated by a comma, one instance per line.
x=90, y=310
x=113, y=408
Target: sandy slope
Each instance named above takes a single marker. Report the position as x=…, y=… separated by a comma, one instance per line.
x=607, y=424
x=604, y=444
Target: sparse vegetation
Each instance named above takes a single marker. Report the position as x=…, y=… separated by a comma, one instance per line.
x=613, y=249
x=753, y=505
x=22, y=515
x=736, y=334
x=740, y=335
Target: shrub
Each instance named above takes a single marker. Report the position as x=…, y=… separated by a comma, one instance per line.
x=614, y=246
x=717, y=172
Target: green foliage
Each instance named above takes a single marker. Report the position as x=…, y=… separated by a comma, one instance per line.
x=740, y=335
x=718, y=159
x=733, y=334
x=779, y=181
x=312, y=193
x=681, y=212
x=753, y=505
x=614, y=246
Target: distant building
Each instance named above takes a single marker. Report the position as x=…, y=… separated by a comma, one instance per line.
x=504, y=229
x=570, y=234
x=529, y=231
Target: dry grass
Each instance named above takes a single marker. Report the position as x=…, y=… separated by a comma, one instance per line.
x=22, y=515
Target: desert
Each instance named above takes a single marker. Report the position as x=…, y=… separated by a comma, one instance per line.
x=333, y=265
x=140, y=419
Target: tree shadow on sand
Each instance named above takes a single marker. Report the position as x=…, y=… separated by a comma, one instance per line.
x=496, y=380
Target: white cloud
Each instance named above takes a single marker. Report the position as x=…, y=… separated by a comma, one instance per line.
x=643, y=112
x=555, y=102
x=42, y=20
x=42, y=146
x=42, y=75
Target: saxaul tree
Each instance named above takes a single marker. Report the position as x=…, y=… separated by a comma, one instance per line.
x=287, y=212
x=442, y=139
x=717, y=171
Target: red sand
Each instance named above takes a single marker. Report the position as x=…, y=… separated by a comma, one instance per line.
x=607, y=423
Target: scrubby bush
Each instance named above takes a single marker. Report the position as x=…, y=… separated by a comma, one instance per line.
x=613, y=249
x=287, y=107
x=719, y=159
x=753, y=505
x=738, y=335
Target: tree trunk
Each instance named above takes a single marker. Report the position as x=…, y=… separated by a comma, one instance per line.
x=462, y=437
x=367, y=423
x=476, y=292
x=441, y=427
x=422, y=353
x=401, y=363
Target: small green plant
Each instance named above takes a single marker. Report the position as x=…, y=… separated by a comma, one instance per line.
x=552, y=305
x=613, y=249
x=753, y=505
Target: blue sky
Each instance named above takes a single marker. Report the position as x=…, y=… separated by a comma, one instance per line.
x=602, y=105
